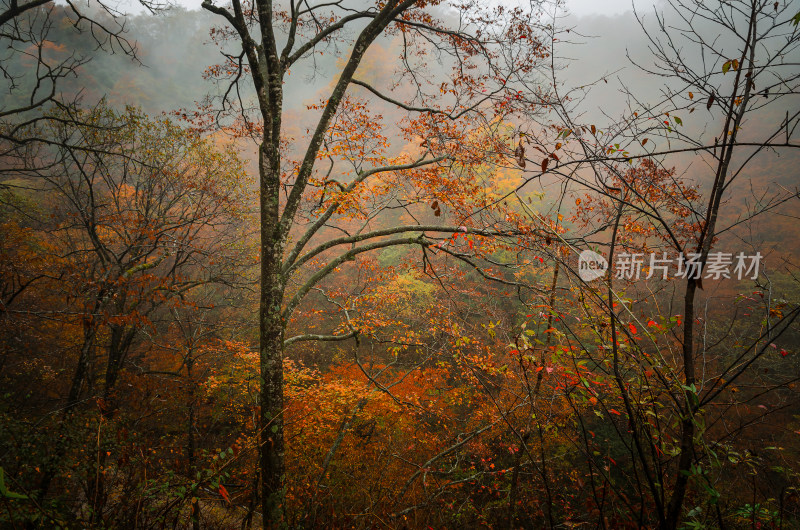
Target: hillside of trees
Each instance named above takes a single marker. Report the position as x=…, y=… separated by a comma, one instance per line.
x=402, y=264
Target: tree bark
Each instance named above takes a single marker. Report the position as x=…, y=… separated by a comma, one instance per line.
x=271, y=327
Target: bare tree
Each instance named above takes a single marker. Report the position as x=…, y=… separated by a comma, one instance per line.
x=732, y=67
x=35, y=66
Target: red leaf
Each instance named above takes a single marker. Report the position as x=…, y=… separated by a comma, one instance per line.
x=544, y=164
x=633, y=329
x=224, y=493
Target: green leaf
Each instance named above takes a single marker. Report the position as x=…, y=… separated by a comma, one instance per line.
x=5, y=492
x=796, y=18
x=726, y=67
x=678, y=120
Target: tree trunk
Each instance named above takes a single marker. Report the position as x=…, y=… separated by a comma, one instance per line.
x=271, y=328
x=51, y=467
x=675, y=506
x=190, y=442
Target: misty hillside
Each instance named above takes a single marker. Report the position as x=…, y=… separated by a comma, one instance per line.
x=400, y=264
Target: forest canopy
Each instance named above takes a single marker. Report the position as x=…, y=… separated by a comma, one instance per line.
x=399, y=264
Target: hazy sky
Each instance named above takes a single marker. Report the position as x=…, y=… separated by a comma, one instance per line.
x=577, y=7
x=601, y=7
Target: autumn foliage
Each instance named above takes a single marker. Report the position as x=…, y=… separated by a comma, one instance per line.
x=365, y=309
